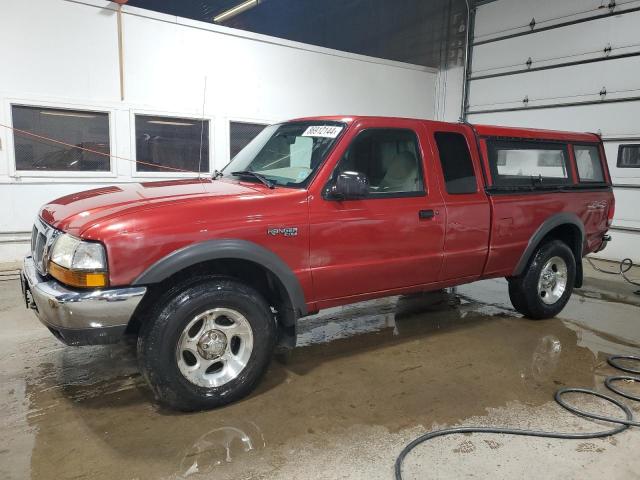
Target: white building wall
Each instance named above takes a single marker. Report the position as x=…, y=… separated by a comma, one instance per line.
x=499, y=100
x=64, y=53
x=449, y=94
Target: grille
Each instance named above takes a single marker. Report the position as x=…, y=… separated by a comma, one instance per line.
x=42, y=237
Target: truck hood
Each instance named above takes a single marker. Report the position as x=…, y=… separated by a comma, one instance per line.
x=76, y=212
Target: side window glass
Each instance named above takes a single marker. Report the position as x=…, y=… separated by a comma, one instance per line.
x=629, y=156
x=457, y=167
x=390, y=158
x=588, y=163
x=526, y=163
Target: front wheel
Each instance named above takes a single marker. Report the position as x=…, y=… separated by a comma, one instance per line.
x=207, y=344
x=544, y=289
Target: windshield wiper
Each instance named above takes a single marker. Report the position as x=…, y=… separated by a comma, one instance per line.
x=217, y=174
x=241, y=173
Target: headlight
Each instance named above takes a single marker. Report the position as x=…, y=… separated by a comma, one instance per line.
x=78, y=263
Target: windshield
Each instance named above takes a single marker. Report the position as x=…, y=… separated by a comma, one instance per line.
x=287, y=154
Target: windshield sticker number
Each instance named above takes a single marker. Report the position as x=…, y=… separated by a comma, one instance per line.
x=325, y=131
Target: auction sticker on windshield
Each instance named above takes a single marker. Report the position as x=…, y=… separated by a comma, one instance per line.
x=326, y=131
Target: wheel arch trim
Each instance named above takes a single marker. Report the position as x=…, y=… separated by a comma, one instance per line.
x=230, y=249
x=555, y=221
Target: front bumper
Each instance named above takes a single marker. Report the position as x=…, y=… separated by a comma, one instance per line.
x=79, y=317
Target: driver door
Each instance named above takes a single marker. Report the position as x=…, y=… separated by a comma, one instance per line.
x=392, y=239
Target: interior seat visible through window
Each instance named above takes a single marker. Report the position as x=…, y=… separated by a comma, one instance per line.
x=390, y=159
x=401, y=174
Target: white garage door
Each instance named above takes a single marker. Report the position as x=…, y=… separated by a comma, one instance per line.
x=567, y=65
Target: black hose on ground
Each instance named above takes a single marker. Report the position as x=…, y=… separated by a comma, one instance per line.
x=623, y=424
x=623, y=267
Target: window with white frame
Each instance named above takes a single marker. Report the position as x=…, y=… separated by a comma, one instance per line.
x=240, y=134
x=170, y=144
x=60, y=140
x=629, y=156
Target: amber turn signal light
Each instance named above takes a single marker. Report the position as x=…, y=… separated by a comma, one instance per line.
x=76, y=278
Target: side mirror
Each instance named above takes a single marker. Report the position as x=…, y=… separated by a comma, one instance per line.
x=349, y=186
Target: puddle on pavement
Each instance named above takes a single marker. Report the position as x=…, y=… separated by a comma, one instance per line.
x=393, y=363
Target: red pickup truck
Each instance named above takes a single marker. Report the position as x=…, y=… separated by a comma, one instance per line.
x=212, y=273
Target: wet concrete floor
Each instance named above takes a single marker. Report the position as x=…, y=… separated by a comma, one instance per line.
x=365, y=380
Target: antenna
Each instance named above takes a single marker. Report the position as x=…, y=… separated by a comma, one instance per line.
x=204, y=101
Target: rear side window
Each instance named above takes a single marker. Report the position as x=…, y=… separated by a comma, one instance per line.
x=456, y=163
x=629, y=156
x=588, y=163
x=526, y=163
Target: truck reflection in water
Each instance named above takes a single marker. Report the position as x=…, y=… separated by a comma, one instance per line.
x=221, y=446
x=544, y=359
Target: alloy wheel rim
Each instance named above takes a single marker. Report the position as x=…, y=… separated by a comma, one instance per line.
x=552, y=282
x=214, y=347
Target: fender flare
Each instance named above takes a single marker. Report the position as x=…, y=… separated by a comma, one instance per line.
x=227, y=249
x=549, y=224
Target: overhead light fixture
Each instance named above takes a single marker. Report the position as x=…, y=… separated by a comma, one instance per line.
x=66, y=114
x=167, y=122
x=237, y=10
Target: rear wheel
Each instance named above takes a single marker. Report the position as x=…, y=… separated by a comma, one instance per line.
x=207, y=344
x=545, y=287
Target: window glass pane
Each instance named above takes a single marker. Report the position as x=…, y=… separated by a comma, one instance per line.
x=85, y=132
x=389, y=158
x=588, y=163
x=240, y=134
x=456, y=163
x=173, y=143
x=286, y=154
x=518, y=163
x=629, y=156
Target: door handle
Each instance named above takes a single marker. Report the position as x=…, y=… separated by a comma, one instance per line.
x=427, y=214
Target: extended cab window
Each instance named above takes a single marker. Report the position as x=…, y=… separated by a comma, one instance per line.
x=457, y=167
x=528, y=163
x=588, y=163
x=390, y=158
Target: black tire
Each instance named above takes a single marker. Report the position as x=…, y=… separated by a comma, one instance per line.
x=523, y=290
x=159, y=336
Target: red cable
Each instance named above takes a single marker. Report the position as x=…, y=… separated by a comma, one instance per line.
x=24, y=132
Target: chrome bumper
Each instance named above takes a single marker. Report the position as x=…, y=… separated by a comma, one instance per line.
x=79, y=317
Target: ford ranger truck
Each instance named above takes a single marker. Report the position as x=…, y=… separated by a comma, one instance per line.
x=212, y=274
